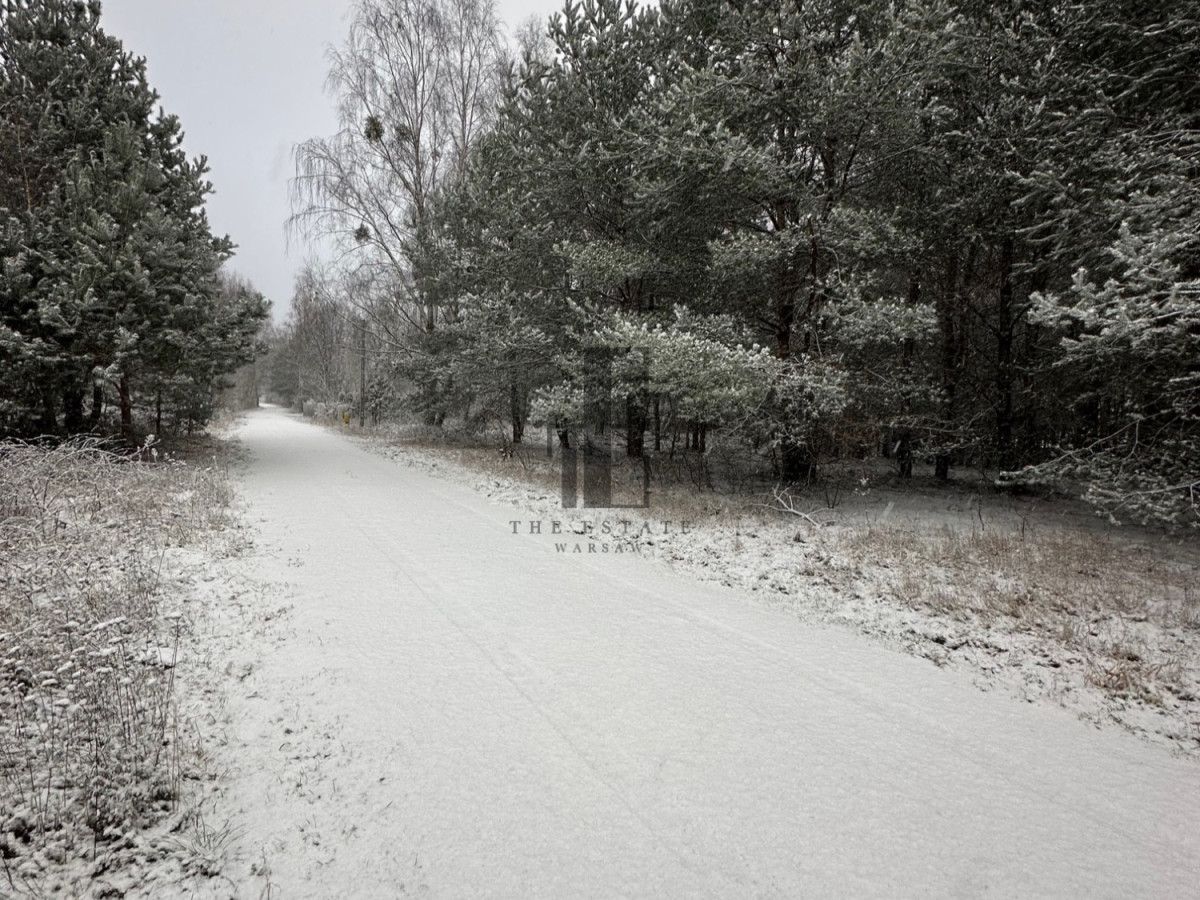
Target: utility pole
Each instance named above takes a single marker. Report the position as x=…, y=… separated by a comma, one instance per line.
x=362, y=371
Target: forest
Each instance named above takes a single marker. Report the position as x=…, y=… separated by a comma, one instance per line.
x=954, y=234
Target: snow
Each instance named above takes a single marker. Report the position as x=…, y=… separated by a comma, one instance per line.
x=453, y=709
x=839, y=564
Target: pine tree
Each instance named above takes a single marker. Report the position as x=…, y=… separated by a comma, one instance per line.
x=1117, y=176
x=782, y=133
x=110, y=268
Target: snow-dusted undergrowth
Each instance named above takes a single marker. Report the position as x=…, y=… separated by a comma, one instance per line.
x=1035, y=597
x=101, y=554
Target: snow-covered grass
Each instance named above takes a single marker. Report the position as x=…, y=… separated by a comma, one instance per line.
x=1030, y=595
x=92, y=748
x=1125, y=612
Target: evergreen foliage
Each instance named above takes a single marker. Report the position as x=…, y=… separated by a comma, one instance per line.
x=110, y=284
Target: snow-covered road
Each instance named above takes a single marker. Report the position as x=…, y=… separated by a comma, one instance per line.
x=460, y=711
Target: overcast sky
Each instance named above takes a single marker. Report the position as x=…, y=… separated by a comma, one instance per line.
x=247, y=78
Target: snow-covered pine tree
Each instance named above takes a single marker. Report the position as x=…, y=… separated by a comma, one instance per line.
x=1116, y=175
x=783, y=132
x=109, y=279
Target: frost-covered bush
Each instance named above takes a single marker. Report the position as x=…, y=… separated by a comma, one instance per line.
x=689, y=370
x=559, y=404
x=711, y=382
x=87, y=707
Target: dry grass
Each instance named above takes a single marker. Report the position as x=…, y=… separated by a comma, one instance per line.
x=88, y=743
x=1108, y=601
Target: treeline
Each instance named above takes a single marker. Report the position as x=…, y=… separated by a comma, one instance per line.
x=954, y=233
x=112, y=295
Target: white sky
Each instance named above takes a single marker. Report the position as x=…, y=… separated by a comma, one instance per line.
x=247, y=78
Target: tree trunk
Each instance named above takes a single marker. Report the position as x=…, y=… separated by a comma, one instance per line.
x=795, y=463
x=949, y=357
x=48, y=422
x=73, y=410
x=126, y=402
x=97, y=406
x=904, y=453
x=952, y=315
x=1005, y=329
x=516, y=409
x=635, y=427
